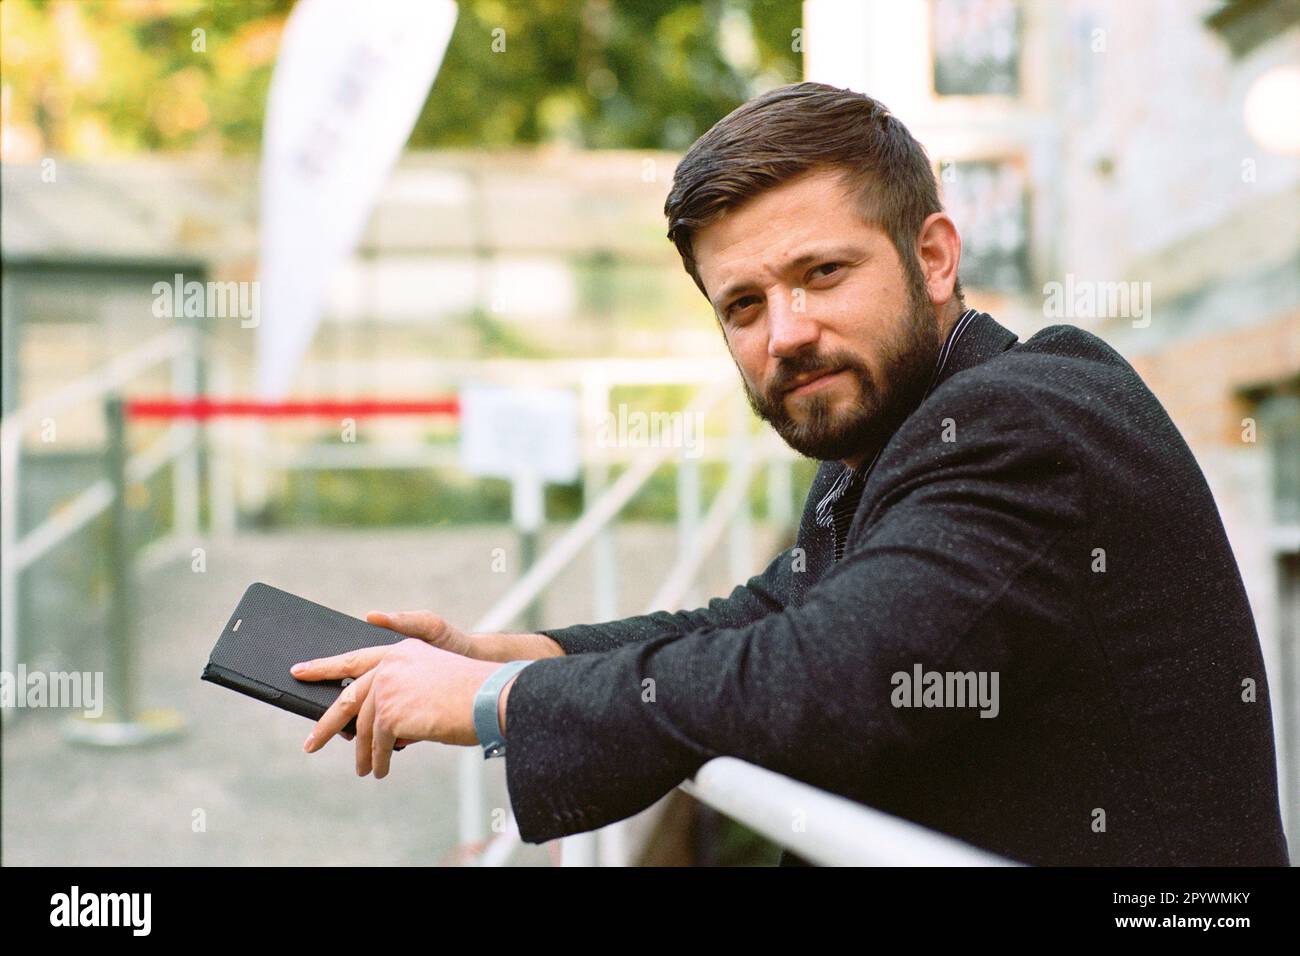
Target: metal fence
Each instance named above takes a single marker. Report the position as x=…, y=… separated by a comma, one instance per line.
x=835, y=831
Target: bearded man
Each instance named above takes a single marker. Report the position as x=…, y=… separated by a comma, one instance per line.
x=1019, y=517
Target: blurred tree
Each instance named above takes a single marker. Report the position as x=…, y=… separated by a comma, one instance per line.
x=90, y=78
x=105, y=77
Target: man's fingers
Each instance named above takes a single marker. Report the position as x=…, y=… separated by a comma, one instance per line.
x=365, y=730
x=424, y=625
x=400, y=743
x=347, y=706
x=352, y=664
x=381, y=750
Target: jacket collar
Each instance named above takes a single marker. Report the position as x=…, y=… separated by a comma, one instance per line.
x=975, y=338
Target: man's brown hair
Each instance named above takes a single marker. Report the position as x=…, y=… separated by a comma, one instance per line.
x=795, y=129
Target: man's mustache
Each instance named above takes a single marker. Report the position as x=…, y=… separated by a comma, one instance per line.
x=790, y=376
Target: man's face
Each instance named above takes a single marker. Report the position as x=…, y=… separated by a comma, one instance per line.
x=834, y=338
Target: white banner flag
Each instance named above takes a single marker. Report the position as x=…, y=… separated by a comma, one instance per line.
x=347, y=89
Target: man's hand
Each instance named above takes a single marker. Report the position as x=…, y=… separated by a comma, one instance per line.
x=435, y=630
x=400, y=693
x=427, y=627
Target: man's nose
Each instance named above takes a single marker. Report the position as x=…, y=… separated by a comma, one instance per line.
x=790, y=328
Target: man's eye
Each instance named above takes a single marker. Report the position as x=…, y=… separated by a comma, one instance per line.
x=827, y=265
x=740, y=303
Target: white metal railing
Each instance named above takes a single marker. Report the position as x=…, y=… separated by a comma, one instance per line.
x=823, y=828
x=832, y=830
x=594, y=521
x=178, y=444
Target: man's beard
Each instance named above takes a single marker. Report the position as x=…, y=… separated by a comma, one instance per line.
x=907, y=364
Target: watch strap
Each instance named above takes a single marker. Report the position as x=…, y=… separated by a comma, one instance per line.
x=486, y=700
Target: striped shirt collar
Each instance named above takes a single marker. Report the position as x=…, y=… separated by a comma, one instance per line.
x=851, y=476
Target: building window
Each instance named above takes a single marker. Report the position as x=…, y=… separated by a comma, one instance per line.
x=976, y=47
x=1280, y=419
x=988, y=200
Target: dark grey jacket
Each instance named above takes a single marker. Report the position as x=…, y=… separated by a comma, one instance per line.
x=1038, y=516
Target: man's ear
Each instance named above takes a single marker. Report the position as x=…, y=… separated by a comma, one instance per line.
x=939, y=248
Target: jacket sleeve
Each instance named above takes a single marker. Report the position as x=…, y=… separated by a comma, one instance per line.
x=762, y=594
x=806, y=691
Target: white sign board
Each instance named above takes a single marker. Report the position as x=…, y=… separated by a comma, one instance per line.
x=519, y=433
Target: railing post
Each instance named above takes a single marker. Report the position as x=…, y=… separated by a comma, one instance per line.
x=611, y=848
x=578, y=850
x=469, y=795
x=120, y=725
x=528, y=512
x=221, y=474
x=740, y=551
x=688, y=515
x=11, y=449
x=119, y=706
x=582, y=849
x=186, y=382
x=780, y=484
x=10, y=452
x=604, y=557
x=594, y=396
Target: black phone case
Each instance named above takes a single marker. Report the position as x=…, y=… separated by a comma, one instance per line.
x=270, y=631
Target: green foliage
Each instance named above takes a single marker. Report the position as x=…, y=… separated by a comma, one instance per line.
x=624, y=73
x=384, y=497
x=117, y=76
x=388, y=497
x=395, y=497
x=740, y=846
x=495, y=337
x=106, y=76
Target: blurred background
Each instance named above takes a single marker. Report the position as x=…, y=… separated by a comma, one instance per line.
x=355, y=438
